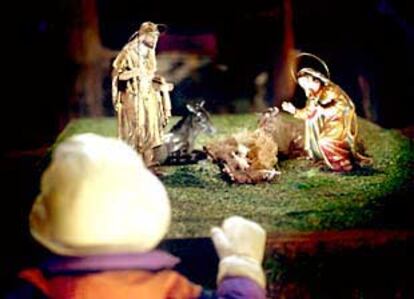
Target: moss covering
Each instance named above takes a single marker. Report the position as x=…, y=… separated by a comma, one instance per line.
x=303, y=198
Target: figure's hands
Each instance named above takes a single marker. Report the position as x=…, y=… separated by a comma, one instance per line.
x=161, y=84
x=161, y=81
x=127, y=75
x=118, y=106
x=240, y=244
x=166, y=117
x=288, y=107
x=169, y=86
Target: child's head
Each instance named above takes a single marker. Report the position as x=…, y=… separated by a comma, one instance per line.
x=97, y=197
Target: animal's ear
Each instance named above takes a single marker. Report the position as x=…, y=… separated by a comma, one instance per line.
x=202, y=103
x=190, y=108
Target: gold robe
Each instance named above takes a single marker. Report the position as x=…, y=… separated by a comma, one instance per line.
x=330, y=127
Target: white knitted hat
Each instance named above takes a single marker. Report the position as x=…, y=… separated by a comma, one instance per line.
x=98, y=197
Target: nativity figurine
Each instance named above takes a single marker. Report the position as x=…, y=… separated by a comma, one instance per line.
x=141, y=96
x=331, y=124
x=178, y=146
x=248, y=157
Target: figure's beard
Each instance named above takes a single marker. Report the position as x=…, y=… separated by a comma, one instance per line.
x=144, y=50
x=150, y=45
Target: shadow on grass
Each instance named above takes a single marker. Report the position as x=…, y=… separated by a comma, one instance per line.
x=182, y=177
x=364, y=171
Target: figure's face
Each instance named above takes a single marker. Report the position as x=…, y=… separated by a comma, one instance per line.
x=309, y=84
x=149, y=39
x=147, y=42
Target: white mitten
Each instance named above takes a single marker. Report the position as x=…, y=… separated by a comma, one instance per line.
x=240, y=244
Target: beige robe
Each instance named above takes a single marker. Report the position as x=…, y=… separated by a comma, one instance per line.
x=142, y=110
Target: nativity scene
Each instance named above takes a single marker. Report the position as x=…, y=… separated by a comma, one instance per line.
x=259, y=162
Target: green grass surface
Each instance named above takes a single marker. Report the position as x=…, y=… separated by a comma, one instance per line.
x=303, y=198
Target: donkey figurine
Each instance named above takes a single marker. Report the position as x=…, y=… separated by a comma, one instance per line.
x=178, y=143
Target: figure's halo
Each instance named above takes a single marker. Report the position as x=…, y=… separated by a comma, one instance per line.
x=306, y=54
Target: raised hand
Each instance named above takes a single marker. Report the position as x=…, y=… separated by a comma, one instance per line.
x=288, y=107
x=240, y=244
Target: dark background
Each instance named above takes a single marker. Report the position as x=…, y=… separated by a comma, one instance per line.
x=373, y=38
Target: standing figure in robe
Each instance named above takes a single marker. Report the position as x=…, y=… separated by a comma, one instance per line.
x=331, y=126
x=140, y=96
